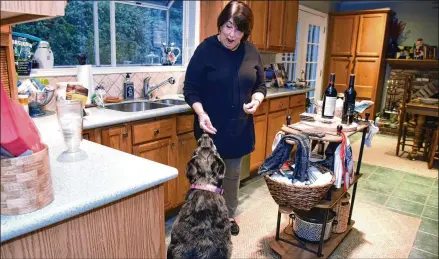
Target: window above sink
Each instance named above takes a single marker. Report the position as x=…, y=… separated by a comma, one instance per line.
x=116, y=34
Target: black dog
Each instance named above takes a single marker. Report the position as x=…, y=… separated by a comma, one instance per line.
x=202, y=227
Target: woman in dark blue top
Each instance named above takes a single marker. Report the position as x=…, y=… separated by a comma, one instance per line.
x=224, y=84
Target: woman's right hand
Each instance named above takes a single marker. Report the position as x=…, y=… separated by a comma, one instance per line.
x=205, y=123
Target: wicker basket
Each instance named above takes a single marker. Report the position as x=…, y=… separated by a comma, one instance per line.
x=298, y=197
x=341, y=210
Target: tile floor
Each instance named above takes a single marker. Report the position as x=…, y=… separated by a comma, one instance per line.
x=405, y=193
x=399, y=191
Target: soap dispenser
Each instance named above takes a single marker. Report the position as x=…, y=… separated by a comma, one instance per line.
x=128, y=88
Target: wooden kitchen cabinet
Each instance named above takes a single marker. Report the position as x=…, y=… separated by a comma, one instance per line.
x=15, y=12
x=259, y=32
x=7, y=65
x=209, y=12
x=343, y=31
x=161, y=151
x=186, y=144
x=282, y=23
x=342, y=67
x=276, y=17
x=274, y=28
x=356, y=44
x=275, y=122
x=371, y=32
x=257, y=157
x=117, y=137
x=290, y=25
x=93, y=135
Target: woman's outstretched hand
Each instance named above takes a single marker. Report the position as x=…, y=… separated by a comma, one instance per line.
x=205, y=123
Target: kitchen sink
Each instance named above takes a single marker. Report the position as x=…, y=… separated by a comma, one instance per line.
x=135, y=106
x=170, y=101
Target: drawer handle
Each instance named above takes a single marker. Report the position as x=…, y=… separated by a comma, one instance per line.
x=156, y=132
x=125, y=134
x=182, y=142
x=172, y=145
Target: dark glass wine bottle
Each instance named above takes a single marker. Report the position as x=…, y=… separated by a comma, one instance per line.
x=349, y=102
x=329, y=99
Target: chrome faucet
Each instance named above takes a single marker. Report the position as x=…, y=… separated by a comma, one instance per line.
x=147, y=89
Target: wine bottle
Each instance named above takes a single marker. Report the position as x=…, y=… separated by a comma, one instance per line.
x=349, y=102
x=329, y=99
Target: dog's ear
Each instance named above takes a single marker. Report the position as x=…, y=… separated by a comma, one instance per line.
x=191, y=169
x=219, y=167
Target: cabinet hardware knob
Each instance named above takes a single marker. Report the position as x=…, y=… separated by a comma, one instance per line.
x=172, y=145
x=156, y=131
x=125, y=134
x=182, y=142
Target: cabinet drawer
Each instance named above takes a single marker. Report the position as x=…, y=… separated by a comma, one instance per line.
x=262, y=109
x=297, y=100
x=143, y=132
x=185, y=123
x=279, y=104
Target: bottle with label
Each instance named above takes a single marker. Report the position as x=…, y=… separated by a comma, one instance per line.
x=349, y=102
x=329, y=99
x=128, y=88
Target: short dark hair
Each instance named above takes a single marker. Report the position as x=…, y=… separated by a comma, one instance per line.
x=242, y=16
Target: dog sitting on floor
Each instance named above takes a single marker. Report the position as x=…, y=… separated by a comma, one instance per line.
x=202, y=227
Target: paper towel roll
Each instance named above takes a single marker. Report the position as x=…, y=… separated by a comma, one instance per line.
x=84, y=75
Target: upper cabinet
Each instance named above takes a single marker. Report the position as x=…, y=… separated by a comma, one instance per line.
x=259, y=35
x=274, y=28
x=14, y=12
x=343, y=31
x=371, y=35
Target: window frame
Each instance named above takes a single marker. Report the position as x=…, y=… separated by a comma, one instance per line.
x=190, y=8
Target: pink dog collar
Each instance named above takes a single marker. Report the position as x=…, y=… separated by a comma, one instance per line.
x=207, y=187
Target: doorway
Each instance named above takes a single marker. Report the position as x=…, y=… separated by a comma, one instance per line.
x=307, y=61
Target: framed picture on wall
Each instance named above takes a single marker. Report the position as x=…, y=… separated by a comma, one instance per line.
x=430, y=52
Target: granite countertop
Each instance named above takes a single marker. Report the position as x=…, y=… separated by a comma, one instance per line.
x=99, y=117
x=106, y=175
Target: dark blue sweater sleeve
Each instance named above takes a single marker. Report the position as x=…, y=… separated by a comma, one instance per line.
x=260, y=79
x=193, y=78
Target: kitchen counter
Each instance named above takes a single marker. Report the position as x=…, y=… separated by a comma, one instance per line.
x=99, y=117
x=105, y=176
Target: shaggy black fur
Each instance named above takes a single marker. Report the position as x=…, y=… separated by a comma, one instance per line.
x=202, y=227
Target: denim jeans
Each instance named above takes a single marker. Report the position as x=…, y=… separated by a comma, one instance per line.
x=282, y=152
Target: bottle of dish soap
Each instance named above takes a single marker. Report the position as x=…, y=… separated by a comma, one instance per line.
x=128, y=88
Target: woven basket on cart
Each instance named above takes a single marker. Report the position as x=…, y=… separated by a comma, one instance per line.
x=298, y=197
x=341, y=210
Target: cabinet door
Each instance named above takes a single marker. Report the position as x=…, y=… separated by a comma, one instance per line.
x=161, y=151
x=371, y=35
x=295, y=113
x=343, y=35
x=117, y=137
x=257, y=157
x=209, y=12
x=186, y=146
x=366, y=79
x=92, y=135
x=275, y=122
x=259, y=32
x=290, y=25
x=275, y=32
x=341, y=66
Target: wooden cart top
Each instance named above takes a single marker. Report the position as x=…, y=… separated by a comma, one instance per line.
x=329, y=136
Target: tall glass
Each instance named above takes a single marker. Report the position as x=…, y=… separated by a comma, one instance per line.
x=69, y=114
